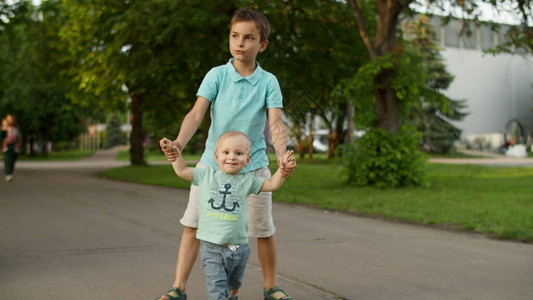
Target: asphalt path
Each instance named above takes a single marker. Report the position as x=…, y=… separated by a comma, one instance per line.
x=65, y=233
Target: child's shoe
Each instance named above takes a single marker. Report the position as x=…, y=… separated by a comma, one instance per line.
x=269, y=294
x=9, y=178
x=174, y=294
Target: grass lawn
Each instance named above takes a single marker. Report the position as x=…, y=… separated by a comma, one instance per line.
x=124, y=155
x=68, y=155
x=493, y=200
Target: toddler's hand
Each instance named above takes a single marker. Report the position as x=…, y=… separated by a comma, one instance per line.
x=290, y=163
x=170, y=149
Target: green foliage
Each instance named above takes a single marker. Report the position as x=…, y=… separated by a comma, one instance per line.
x=58, y=155
x=431, y=115
x=312, y=46
x=154, y=53
x=408, y=83
x=114, y=135
x=438, y=134
x=381, y=158
x=385, y=159
x=33, y=86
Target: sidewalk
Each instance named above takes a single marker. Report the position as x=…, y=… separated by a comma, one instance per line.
x=489, y=159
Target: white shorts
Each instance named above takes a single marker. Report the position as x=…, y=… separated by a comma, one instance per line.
x=260, y=222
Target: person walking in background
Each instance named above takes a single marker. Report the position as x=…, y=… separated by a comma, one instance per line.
x=10, y=146
x=223, y=210
x=241, y=95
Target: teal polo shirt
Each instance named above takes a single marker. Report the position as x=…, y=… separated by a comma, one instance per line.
x=239, y=103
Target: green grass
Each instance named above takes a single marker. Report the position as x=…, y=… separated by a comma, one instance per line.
x=124, y=155
x=492, y=200
x=68, y=155
x=162, y=175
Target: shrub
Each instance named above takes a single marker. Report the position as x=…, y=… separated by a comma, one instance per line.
x=384, y=159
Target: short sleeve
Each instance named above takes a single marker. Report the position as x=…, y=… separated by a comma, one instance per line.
x=274, y=98
x=209, y=86
x=199, y=173
x=257, y=184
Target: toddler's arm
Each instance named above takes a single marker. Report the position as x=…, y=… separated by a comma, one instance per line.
x=277, y=179
x=179, y=165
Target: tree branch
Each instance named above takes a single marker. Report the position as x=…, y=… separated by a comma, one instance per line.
x=362, y=28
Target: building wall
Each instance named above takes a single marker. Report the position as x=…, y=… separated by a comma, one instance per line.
x=497, y=88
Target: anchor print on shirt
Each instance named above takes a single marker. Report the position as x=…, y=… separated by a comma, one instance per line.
x=211, y=201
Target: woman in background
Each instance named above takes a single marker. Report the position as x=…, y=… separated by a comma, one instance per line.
x=10, y=146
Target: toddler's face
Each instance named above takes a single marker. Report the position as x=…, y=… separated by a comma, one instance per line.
x=232, y=154
x=245, y=41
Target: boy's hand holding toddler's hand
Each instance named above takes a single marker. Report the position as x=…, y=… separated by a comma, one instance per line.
x=171, y=150
x=289, y=163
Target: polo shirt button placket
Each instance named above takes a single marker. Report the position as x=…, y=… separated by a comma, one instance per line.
x=241, y=95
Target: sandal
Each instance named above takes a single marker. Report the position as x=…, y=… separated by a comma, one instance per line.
x=269, y=294
x=174, y=294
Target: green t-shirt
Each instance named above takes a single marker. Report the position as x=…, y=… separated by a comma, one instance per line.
x=223, y=205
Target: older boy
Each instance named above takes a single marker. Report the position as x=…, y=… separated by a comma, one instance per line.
x=241, y=95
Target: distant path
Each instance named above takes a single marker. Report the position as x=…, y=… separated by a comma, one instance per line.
x=489, y=159
x=65, y=233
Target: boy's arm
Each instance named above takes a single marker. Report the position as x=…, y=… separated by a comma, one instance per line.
x=277, y=179
x=179, y=164
x=190, y=124
x=279, y=139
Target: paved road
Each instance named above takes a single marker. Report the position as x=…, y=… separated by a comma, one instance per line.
x=487, y=159
x=65, y=233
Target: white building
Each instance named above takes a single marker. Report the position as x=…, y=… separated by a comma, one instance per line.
x=497, y=88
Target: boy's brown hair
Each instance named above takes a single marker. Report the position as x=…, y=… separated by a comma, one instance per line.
x=247, y=14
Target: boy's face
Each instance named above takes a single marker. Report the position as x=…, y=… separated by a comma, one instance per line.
x=245, y=41
x=232, y=154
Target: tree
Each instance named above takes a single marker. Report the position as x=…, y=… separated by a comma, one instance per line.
x=311, y=48
x=432, y=114
x=153, y=53
x=391, y=84
x=33, y=85
x=114, y=135
x=386, y=39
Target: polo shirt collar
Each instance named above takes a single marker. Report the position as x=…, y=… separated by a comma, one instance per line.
x=235, y=76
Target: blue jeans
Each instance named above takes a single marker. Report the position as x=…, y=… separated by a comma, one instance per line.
x=224, y=268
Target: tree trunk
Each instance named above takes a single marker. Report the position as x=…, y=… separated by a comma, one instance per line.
x=332, y=144
x=137, y=135
x=311, y=135
x=44, y=146
x=350, y=127
x=300, y=147
x=387, y=107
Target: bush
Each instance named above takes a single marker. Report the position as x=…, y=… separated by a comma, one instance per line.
x=383, y=159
